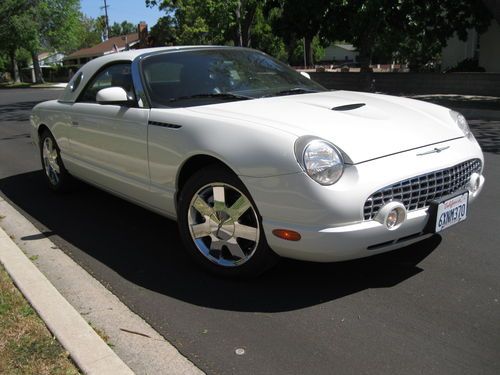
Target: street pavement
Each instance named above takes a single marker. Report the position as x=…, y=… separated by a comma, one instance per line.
x=433, y=307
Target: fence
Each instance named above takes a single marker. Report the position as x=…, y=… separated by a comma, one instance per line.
x=485, y=84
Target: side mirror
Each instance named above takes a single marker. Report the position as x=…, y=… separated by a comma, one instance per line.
x=113, y=95
x=305, y=74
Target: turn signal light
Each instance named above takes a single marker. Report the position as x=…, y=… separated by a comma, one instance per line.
x=286, y=234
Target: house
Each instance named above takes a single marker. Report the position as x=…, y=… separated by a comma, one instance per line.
x=485, y=48
x=113, y=44
x=340, y=53
x=47, y=61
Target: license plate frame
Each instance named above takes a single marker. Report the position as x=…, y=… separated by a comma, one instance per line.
x=441, y=216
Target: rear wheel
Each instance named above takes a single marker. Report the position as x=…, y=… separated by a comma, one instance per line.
x=220, y=225
x=57, y=176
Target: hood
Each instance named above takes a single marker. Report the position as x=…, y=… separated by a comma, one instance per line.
x=364, y=126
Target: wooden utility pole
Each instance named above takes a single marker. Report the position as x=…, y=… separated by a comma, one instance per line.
x=106, y=18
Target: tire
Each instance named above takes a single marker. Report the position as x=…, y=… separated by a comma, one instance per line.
x=220, y=226
x=55, y=173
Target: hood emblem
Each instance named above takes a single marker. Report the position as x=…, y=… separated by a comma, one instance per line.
x=435, y=150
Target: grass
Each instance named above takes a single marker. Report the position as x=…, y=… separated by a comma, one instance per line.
x=14, y=85
x=103, y=335
x=26, y=345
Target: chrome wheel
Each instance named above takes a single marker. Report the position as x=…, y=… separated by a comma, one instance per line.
x=50, y=163
x=223, y=224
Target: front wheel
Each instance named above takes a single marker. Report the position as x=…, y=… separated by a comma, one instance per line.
x=220, y=225
x=57, y=176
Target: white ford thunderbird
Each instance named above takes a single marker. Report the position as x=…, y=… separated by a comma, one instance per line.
x=255, y=160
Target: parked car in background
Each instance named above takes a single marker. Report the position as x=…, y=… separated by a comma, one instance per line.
x=256, y=161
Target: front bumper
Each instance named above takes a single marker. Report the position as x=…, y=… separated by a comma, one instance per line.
x=330, y=219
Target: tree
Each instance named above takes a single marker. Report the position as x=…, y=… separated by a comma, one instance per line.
x=164, y=33
x=89, y=32
x=211, y=21
x=16, y=31
x=37, y=24
x=300, y=20
x=123, y=28
x=417, y=30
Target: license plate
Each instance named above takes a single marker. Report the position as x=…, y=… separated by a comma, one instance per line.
x=451, y=211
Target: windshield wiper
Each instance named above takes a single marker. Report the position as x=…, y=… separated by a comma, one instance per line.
x=221, y=95
x=295, y=90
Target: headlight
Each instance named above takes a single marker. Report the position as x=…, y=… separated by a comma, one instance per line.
x=322, y=162
x=462, y=123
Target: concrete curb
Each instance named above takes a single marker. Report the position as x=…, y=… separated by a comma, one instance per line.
x=91, y=354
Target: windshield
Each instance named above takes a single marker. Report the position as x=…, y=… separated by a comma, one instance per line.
x=200, y=77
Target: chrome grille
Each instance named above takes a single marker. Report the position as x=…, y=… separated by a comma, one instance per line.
x=419, y=191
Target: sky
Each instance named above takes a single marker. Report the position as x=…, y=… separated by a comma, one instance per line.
x=133, y=11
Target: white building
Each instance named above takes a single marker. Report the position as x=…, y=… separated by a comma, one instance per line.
x=339, y=52
x=485, y=47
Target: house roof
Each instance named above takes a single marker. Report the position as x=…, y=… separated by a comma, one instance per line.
x=348, y=47
x=105, y=47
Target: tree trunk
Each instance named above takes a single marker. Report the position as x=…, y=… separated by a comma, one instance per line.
x=36, y=66
x=291, y=44
x=15, y=68
x=246, y=27
x=365, y=56
x=239, y=36
x=309, y=51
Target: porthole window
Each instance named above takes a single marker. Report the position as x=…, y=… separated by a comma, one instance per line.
x=76, y=81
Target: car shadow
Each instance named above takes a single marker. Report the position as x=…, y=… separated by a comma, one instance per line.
x=145, y=249
x=17, y=111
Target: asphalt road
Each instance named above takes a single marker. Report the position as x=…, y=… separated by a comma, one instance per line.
x=430, y=308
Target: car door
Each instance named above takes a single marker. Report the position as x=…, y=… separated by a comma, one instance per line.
x=109, y=141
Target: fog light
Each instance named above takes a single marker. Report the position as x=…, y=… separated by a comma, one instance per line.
x=474, y=182
x=391, y=215
x=392, y=218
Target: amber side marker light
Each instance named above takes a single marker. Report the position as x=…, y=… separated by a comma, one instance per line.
x=286, y=234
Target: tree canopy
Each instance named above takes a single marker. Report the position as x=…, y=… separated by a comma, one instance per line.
x=28, y=27
x=37, y=25
x=117, y=29
x=410, y=30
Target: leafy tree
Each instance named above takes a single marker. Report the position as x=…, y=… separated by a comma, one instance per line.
x=16, y=31
x=416, y=30
x=89, y=32
x=36, y=25
x=164, y=33
x=300, y=20
x=211, y=21
x=263, y=37
x=123, y=28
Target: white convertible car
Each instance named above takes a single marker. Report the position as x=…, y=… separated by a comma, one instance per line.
x=255, y=160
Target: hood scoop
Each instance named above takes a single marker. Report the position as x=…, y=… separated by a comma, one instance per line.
x=348, y=107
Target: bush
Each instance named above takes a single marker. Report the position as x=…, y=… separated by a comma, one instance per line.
x=467, y=65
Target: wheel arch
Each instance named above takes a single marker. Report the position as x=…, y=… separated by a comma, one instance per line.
x=39, y=131
x=41, y=128
x=193, y=164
